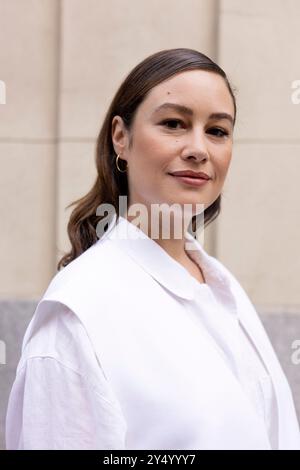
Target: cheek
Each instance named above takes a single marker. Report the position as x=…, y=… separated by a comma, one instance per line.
x=226, y=164
x=155, y=145
x=151, y=157
x=223, y=160
x=221, y=167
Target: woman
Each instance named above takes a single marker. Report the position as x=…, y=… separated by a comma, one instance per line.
x=143, y=340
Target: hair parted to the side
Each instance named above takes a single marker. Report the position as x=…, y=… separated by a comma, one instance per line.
x=110, y=183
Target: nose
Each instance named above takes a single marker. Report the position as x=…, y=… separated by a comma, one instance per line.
x=196, y=147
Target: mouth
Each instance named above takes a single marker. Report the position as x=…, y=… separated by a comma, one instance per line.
x=195, y=181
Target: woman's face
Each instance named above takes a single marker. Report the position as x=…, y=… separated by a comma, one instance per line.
x=166, y=140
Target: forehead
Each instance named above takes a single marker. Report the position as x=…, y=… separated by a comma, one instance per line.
x=197, y=89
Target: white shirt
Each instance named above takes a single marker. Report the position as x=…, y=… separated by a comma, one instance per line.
x=60, y=399
x=224, y=327
x=80, y=404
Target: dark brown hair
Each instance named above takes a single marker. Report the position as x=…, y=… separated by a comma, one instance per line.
x=110, y=183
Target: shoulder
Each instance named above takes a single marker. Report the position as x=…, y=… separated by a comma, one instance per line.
x=101, y=258
x=227, y=274
x=243, y=303
x=59, y=343
x=83, y=296
x=98, y=269
x=57, y=334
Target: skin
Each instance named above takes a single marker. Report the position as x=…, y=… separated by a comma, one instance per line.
x=194, y=142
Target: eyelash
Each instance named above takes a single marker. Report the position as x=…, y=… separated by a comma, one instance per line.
x=224, y=133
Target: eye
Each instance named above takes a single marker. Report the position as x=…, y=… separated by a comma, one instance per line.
x=218, y=132
x=176, y=121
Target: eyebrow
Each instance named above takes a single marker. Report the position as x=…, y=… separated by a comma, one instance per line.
x=188, y=111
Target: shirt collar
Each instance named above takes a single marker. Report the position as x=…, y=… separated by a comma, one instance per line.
x=165, y=269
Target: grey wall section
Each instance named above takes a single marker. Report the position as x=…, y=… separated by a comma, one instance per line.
x=14, y=318
x=283, y=328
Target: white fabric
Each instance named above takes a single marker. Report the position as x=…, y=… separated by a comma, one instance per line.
x=60, y=399
x=158, y=362
x=241, y=355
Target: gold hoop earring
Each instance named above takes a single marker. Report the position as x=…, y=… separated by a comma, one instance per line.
x=117, y=165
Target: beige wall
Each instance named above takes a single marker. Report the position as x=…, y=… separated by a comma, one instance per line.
x=28, y=120
x=62, y=63
x=259, y=229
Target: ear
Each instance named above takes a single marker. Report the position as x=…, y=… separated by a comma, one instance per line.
x=119, y=136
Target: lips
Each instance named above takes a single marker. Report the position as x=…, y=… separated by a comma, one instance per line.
x=191, y=174
x=190, y=181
